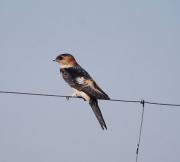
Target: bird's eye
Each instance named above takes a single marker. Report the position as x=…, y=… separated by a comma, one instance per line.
x=60, y=58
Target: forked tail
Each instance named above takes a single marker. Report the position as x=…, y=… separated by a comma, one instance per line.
x=94, y=105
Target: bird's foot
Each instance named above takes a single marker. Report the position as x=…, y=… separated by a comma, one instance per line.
x=73, y=95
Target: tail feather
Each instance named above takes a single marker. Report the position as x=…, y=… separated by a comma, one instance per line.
x=94, y=105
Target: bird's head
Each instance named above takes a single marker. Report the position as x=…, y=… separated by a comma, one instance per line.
x=66, y=60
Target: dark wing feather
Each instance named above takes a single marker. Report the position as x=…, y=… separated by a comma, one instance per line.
x=88, y=86
x=93, y=90
x=70, y=75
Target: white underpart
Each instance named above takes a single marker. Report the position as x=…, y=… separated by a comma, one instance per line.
x=80, y=80
x=81, y=94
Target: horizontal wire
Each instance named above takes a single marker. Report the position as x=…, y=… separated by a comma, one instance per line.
x=37, y=94
x=64, y=96
x=55, y=95
x=161, y=104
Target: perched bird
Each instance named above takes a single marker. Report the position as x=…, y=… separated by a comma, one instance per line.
x=82, y=84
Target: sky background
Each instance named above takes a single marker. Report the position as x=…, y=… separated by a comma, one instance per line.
x=131, y=48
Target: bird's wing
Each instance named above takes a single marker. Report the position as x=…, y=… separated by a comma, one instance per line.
x=91, y=88
x=79, y=79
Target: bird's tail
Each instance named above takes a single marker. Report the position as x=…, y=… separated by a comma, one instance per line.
x=94, y=105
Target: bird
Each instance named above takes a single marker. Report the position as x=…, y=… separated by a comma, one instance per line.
x=82, y=83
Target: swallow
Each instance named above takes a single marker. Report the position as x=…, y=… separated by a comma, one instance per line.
x=82, y=84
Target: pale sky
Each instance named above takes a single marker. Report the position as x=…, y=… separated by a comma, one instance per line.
x=131, y=48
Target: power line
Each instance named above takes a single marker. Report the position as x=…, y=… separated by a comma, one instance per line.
x=142, y=102
x=65, y=96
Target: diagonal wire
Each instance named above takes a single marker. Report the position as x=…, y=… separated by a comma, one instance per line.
x=140, y=131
